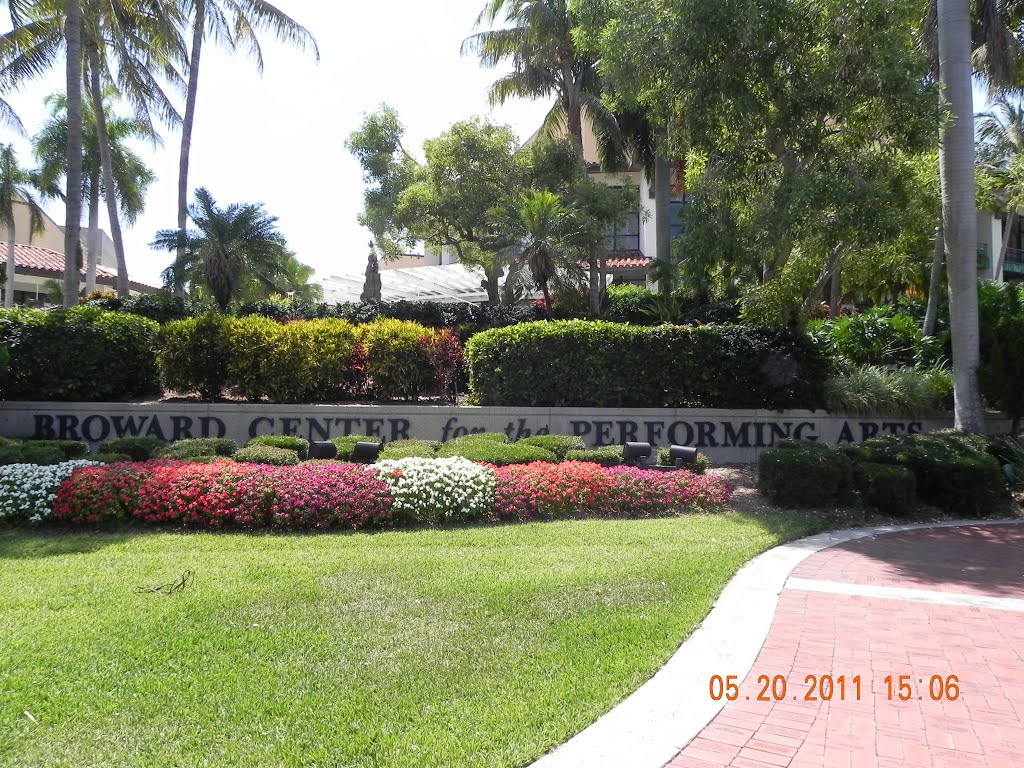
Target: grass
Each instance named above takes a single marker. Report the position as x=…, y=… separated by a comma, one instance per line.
x=467, y=647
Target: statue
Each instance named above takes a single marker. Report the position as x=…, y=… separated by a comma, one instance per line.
x=372, y=285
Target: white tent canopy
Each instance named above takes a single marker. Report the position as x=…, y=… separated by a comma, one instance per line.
x=448, y=284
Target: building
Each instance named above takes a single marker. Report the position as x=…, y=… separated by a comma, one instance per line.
x=991, y=230
x=40, y=259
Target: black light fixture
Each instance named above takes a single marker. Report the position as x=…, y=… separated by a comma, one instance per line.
x=634, y=453
x=682, y=454
x=322, y=449
x=365, y=452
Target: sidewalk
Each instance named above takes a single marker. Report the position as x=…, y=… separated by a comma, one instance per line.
x=942, y=607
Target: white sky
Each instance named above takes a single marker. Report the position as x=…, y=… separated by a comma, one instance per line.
x=279, y=140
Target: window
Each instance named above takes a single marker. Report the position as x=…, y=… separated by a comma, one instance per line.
x=626, y=236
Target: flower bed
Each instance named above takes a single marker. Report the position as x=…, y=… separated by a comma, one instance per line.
x=325, y=495
x=28, y=491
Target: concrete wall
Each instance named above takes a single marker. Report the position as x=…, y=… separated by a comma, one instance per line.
x=727, y=436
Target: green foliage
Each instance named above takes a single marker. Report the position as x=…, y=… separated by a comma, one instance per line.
x=346, y=445
x=72, y=449
x=1001, y=315
x=266, y=454
x=701, y=462
x=873, y=338
x=299, y=445
x=406, y=449
x=496, y=452
x=906, y=392
x=889, y=488
x=805, y=476
x=599, y=364
x=626, y=303
x=397, y=364
x=559, y=445
x=1009, y=451
x=610, y=456
x=80, y=354
x=139, y=448
x=954, y=471
x=200, y=447
x=110, y=458
x=31, y=452
x=194, y=355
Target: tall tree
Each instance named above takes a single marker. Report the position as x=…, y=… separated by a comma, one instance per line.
x=233, y=23
x=1000, y=161
x=537, y=37
x=73, y=196
x=131, y=175
x=548, y=230
x=17, y=187
x=229, y=249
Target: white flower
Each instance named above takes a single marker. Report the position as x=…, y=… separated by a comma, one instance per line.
x=27, y=491
x=439, y=489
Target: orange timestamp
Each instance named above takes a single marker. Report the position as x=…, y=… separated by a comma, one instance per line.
x=841, y=688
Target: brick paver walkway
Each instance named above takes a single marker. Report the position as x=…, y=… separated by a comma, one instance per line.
x=894, y=605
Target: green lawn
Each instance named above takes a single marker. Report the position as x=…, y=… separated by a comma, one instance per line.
x=469, y=647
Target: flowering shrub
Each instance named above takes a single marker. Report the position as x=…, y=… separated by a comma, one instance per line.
x=438, y=490
x=28, y=491
x=329, y=495
x=643, y=492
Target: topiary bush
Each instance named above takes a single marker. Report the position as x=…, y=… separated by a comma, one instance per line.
x=493, y=452
x=953, y=471
x=889, y=488
x=347, y=445
x=805, y=477
x=299, y=445
x=266, y=454
x=70, y=449
x=200, y=447
x=80, y=354
x=598, y=364
x=559, y=445
x=109, y=458
x=701, y=462
x=31, y=453
x=194, y=355
x=407, y=449
x=609, y=456
x=138, y=447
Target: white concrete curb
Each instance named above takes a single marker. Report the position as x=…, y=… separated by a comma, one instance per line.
x=653, y=724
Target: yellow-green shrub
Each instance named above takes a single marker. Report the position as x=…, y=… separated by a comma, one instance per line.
x=397, y=363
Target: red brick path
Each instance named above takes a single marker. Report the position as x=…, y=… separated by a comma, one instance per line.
x=817, y=633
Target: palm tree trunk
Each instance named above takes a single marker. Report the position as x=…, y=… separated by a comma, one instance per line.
x=198, y=33
x=595, y=285
x=12, y=264
x=931, y=314
x=1011, y=217
x=73, y=215
x=959, y=216
x=107, y=166
x=662, y=221
x=835, y=292
x=94, y=234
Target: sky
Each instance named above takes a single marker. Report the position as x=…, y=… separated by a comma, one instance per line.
x=279, y=139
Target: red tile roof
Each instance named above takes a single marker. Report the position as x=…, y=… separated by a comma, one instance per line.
x=628, y=260
x=34, y=259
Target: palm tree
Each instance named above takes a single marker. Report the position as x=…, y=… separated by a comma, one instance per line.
x=17, y=187
x=548, y=229
x=538, y=39
x=996, y=60
x=1001, y=157
x=229, y=248
x=131, y=175
x=73, y=196
x=233, y=22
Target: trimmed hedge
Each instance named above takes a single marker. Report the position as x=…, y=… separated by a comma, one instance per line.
x=139, y=448
x=409, y=449
x=805, y=476
x=194, y=355
x=78, y=355
x=200, y=447
x=889, y=488
x=267, y=454
x=346, y=445
x=499, y=454
x=578, y=363
x=610, y=456
x=559, y=445
x=299, y=445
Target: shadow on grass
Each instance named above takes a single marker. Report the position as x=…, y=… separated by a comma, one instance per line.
x=38, y=543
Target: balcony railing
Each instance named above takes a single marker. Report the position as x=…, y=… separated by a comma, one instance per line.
x=1013, y=264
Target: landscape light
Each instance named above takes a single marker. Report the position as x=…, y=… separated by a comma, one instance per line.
x=365, y=452
x=322, y=450
x=682, y=454
x=633, y=453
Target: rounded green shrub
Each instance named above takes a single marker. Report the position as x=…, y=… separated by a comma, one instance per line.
x=109, y=458
x=889, y=488
x=805, y=477
x=299, y=445
x=347, y=444
x=140, y=448
x=701, y=463
x=38, y=452
x=407, y=449
x=194, y=355
x=397, y=364
x=580, y=363
x=199, y=447
x=557, y=444
x=266, y=454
